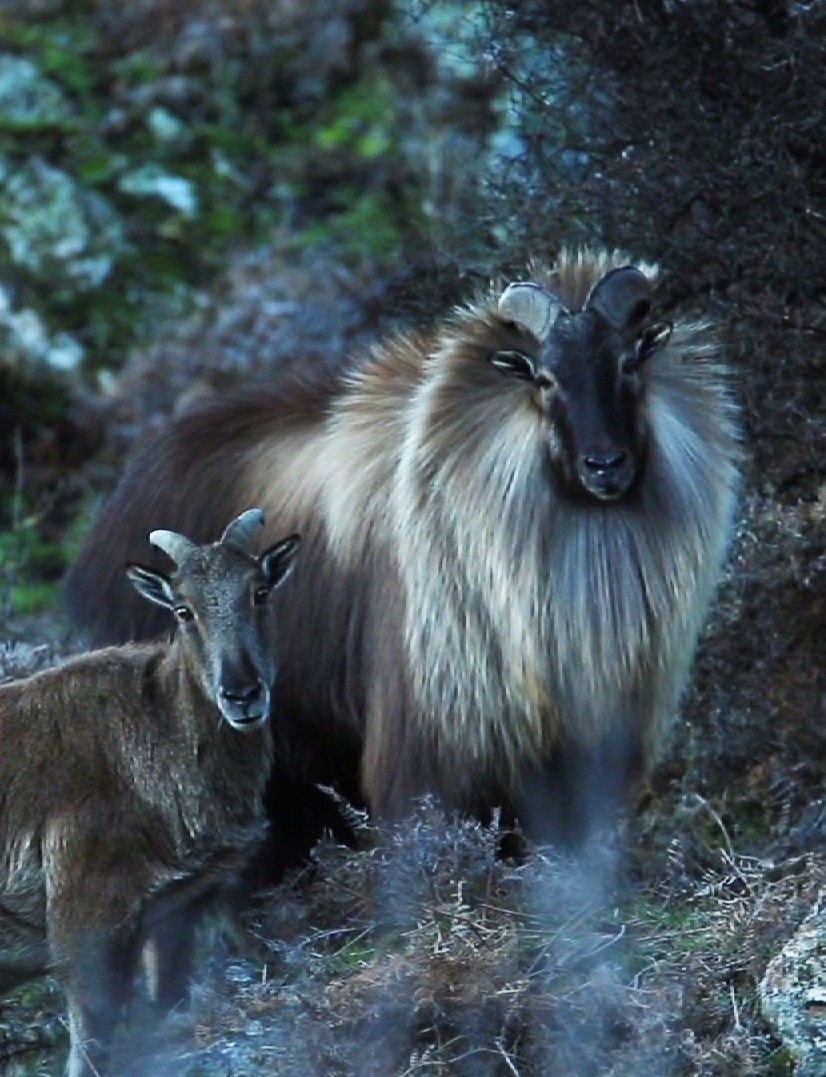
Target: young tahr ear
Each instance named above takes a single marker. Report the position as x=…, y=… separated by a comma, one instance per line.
x=152, y=585
x=277, y=562
x=652, y=339
x=517, y=364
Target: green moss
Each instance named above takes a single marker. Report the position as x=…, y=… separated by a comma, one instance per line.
x=353, y=957
x=138, y=68
x=780, y=1063
x=78, y=528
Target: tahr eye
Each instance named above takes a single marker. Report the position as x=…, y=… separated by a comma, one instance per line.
x=184, y=613
x=517, y=364
x=260, y=596
x=652, y=340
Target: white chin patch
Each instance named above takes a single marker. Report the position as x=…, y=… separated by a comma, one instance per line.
x=605, y=495
x=244, y=724
x=245, y=719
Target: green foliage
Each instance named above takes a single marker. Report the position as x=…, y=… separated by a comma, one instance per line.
x=34, y=597
x=361, y=118
x=35, y=546
x=368, y=225
x=24, y=546
x=184, y=158
x=29, y=568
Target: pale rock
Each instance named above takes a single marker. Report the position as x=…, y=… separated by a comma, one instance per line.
x=151, y=181
x=23, y=333
x=27, y=98
x=65, y=236
x=793, y=993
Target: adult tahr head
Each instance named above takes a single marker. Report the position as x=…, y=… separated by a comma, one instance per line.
x=220, y=596
x=587, y=370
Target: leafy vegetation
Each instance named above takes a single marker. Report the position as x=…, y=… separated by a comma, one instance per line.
x=183, y=152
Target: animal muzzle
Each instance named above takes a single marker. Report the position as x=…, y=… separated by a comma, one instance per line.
x=607, y=475
x=245, y=706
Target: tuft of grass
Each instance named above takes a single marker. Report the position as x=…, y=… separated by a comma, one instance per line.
x=30, y=566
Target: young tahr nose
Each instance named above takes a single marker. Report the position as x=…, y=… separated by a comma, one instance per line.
x=242, y=694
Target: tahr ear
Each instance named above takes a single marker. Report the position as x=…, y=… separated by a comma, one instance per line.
x=652, y=339
x=277, y=562
x=517, y=364
x=154, y=586
x=622, y=297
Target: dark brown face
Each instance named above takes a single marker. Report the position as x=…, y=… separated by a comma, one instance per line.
x=593, y=401
x=588, y=379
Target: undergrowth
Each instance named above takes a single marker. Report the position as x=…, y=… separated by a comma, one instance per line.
x=424, y=951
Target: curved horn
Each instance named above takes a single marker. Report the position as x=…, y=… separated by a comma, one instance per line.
x=242, y=529
x=173, y=545
x=622, y=297
x=532, y=306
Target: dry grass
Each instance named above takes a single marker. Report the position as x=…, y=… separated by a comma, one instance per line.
x=426, y=952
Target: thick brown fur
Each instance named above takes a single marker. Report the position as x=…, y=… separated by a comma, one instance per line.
x=454, y=617
x=126, y=806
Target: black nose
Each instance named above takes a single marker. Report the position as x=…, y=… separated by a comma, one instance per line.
x=604, y=461
x=242, y=693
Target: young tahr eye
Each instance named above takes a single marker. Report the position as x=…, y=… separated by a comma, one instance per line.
x=184, y=613
x=260, y=596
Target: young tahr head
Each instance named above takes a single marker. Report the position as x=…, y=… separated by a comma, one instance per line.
x=587, y=370
x=220, y=596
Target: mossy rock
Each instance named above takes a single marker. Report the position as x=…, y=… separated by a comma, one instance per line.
x=29, y=101
x=64, y=236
